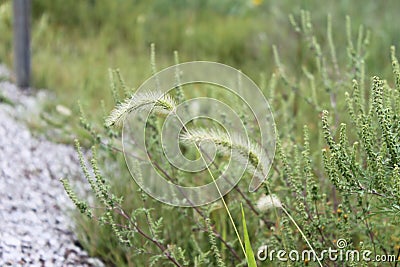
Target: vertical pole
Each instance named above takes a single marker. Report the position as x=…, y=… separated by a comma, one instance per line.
x=22, y=61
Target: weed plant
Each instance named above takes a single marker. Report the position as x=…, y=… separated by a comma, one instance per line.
x=334, y=88
x=335, y=176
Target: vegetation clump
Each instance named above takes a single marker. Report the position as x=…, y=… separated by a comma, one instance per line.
x=336, y=174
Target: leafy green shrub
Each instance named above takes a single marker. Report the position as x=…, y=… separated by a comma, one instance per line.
x=336, y=174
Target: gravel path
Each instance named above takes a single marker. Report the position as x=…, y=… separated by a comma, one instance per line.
x=34, y=222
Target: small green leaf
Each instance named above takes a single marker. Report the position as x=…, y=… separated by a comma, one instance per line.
x=251, y=261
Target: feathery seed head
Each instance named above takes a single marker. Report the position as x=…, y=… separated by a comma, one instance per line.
x=242, y=150
x=157, y=101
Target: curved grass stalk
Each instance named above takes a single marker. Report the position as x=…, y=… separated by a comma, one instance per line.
x=164, y=104
x=216, y=185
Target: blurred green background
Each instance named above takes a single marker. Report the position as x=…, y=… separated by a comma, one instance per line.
x=75, y=42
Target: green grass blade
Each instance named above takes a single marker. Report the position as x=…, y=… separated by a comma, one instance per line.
x=251, y=261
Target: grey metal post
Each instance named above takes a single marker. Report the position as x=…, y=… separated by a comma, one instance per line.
x=22, y=61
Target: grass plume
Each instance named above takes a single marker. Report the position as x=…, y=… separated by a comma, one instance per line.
x=159, y=102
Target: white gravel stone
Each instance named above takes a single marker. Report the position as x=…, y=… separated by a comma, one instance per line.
x=35, y=226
